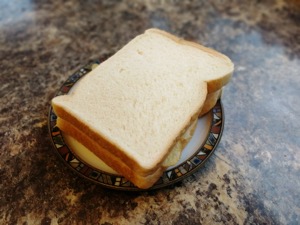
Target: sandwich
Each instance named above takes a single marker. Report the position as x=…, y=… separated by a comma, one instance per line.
x=137, y=110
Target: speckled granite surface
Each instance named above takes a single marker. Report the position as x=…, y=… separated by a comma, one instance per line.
x=253, y=176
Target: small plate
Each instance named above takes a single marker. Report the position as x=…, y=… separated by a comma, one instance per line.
x=204, y=141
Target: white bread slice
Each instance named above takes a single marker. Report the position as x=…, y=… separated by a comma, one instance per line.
x=137, y=106
x=137, y=103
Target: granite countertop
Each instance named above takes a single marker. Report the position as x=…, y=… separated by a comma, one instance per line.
x=253, y=177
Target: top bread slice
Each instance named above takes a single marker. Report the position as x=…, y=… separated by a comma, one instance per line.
x=137, y=103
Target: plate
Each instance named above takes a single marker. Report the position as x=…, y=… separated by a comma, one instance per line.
x=204, y=141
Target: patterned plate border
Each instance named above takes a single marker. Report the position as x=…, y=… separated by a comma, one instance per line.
x=108, y=180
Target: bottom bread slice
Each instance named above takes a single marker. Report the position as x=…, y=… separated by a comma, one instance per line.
x=120, y=166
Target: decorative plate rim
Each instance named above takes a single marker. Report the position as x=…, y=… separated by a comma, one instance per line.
x=112, y=181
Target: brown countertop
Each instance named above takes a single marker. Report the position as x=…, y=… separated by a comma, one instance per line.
x=253, y=176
